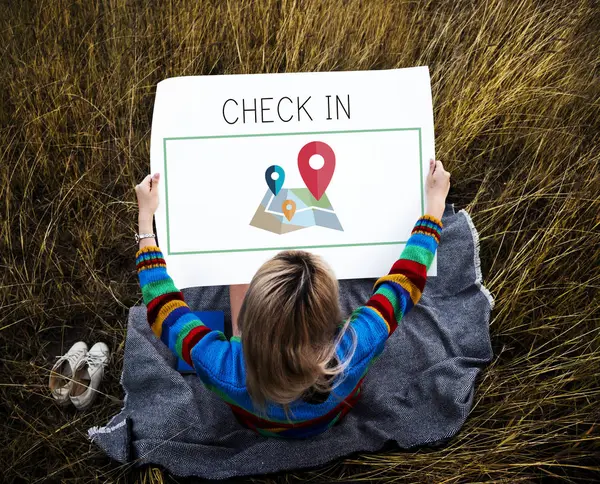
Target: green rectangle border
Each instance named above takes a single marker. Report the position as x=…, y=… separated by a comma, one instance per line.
x=285, y=134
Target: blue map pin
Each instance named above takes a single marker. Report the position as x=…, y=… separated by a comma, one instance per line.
x=275, y=177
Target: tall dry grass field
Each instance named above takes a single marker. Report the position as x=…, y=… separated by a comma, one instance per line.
x=516, y=90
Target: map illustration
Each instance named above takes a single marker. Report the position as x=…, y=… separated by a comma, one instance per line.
x=284, y=210
x=309, y=212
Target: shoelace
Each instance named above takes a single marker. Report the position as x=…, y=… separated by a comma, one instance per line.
x=96, y=360
x=73, y=358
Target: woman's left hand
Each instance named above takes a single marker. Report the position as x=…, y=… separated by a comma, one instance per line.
x=147, y=195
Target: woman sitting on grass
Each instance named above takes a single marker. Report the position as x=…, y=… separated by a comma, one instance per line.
x=297, y=368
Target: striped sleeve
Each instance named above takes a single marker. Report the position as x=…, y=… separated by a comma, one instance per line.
x=397, y=293
x=168, y=315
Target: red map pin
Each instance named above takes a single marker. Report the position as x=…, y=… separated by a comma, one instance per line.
x=316, y=181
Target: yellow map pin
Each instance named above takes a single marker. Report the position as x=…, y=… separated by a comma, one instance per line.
x=289, y=209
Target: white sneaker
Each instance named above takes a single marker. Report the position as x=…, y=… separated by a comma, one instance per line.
x=61, y=375
x=88, y=375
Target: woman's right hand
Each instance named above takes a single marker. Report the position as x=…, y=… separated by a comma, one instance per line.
x=436, y=189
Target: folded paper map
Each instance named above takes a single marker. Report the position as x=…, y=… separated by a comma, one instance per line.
x=309, y=212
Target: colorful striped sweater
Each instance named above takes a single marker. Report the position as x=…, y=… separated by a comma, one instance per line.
x=219, y=362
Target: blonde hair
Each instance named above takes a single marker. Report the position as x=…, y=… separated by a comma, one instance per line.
x=288, y=321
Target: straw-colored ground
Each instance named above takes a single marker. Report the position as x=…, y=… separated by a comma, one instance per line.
x=516, y=95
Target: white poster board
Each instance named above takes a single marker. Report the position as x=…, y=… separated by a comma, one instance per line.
x=217, y=140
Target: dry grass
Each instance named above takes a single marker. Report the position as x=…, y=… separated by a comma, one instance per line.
x=517, y=110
